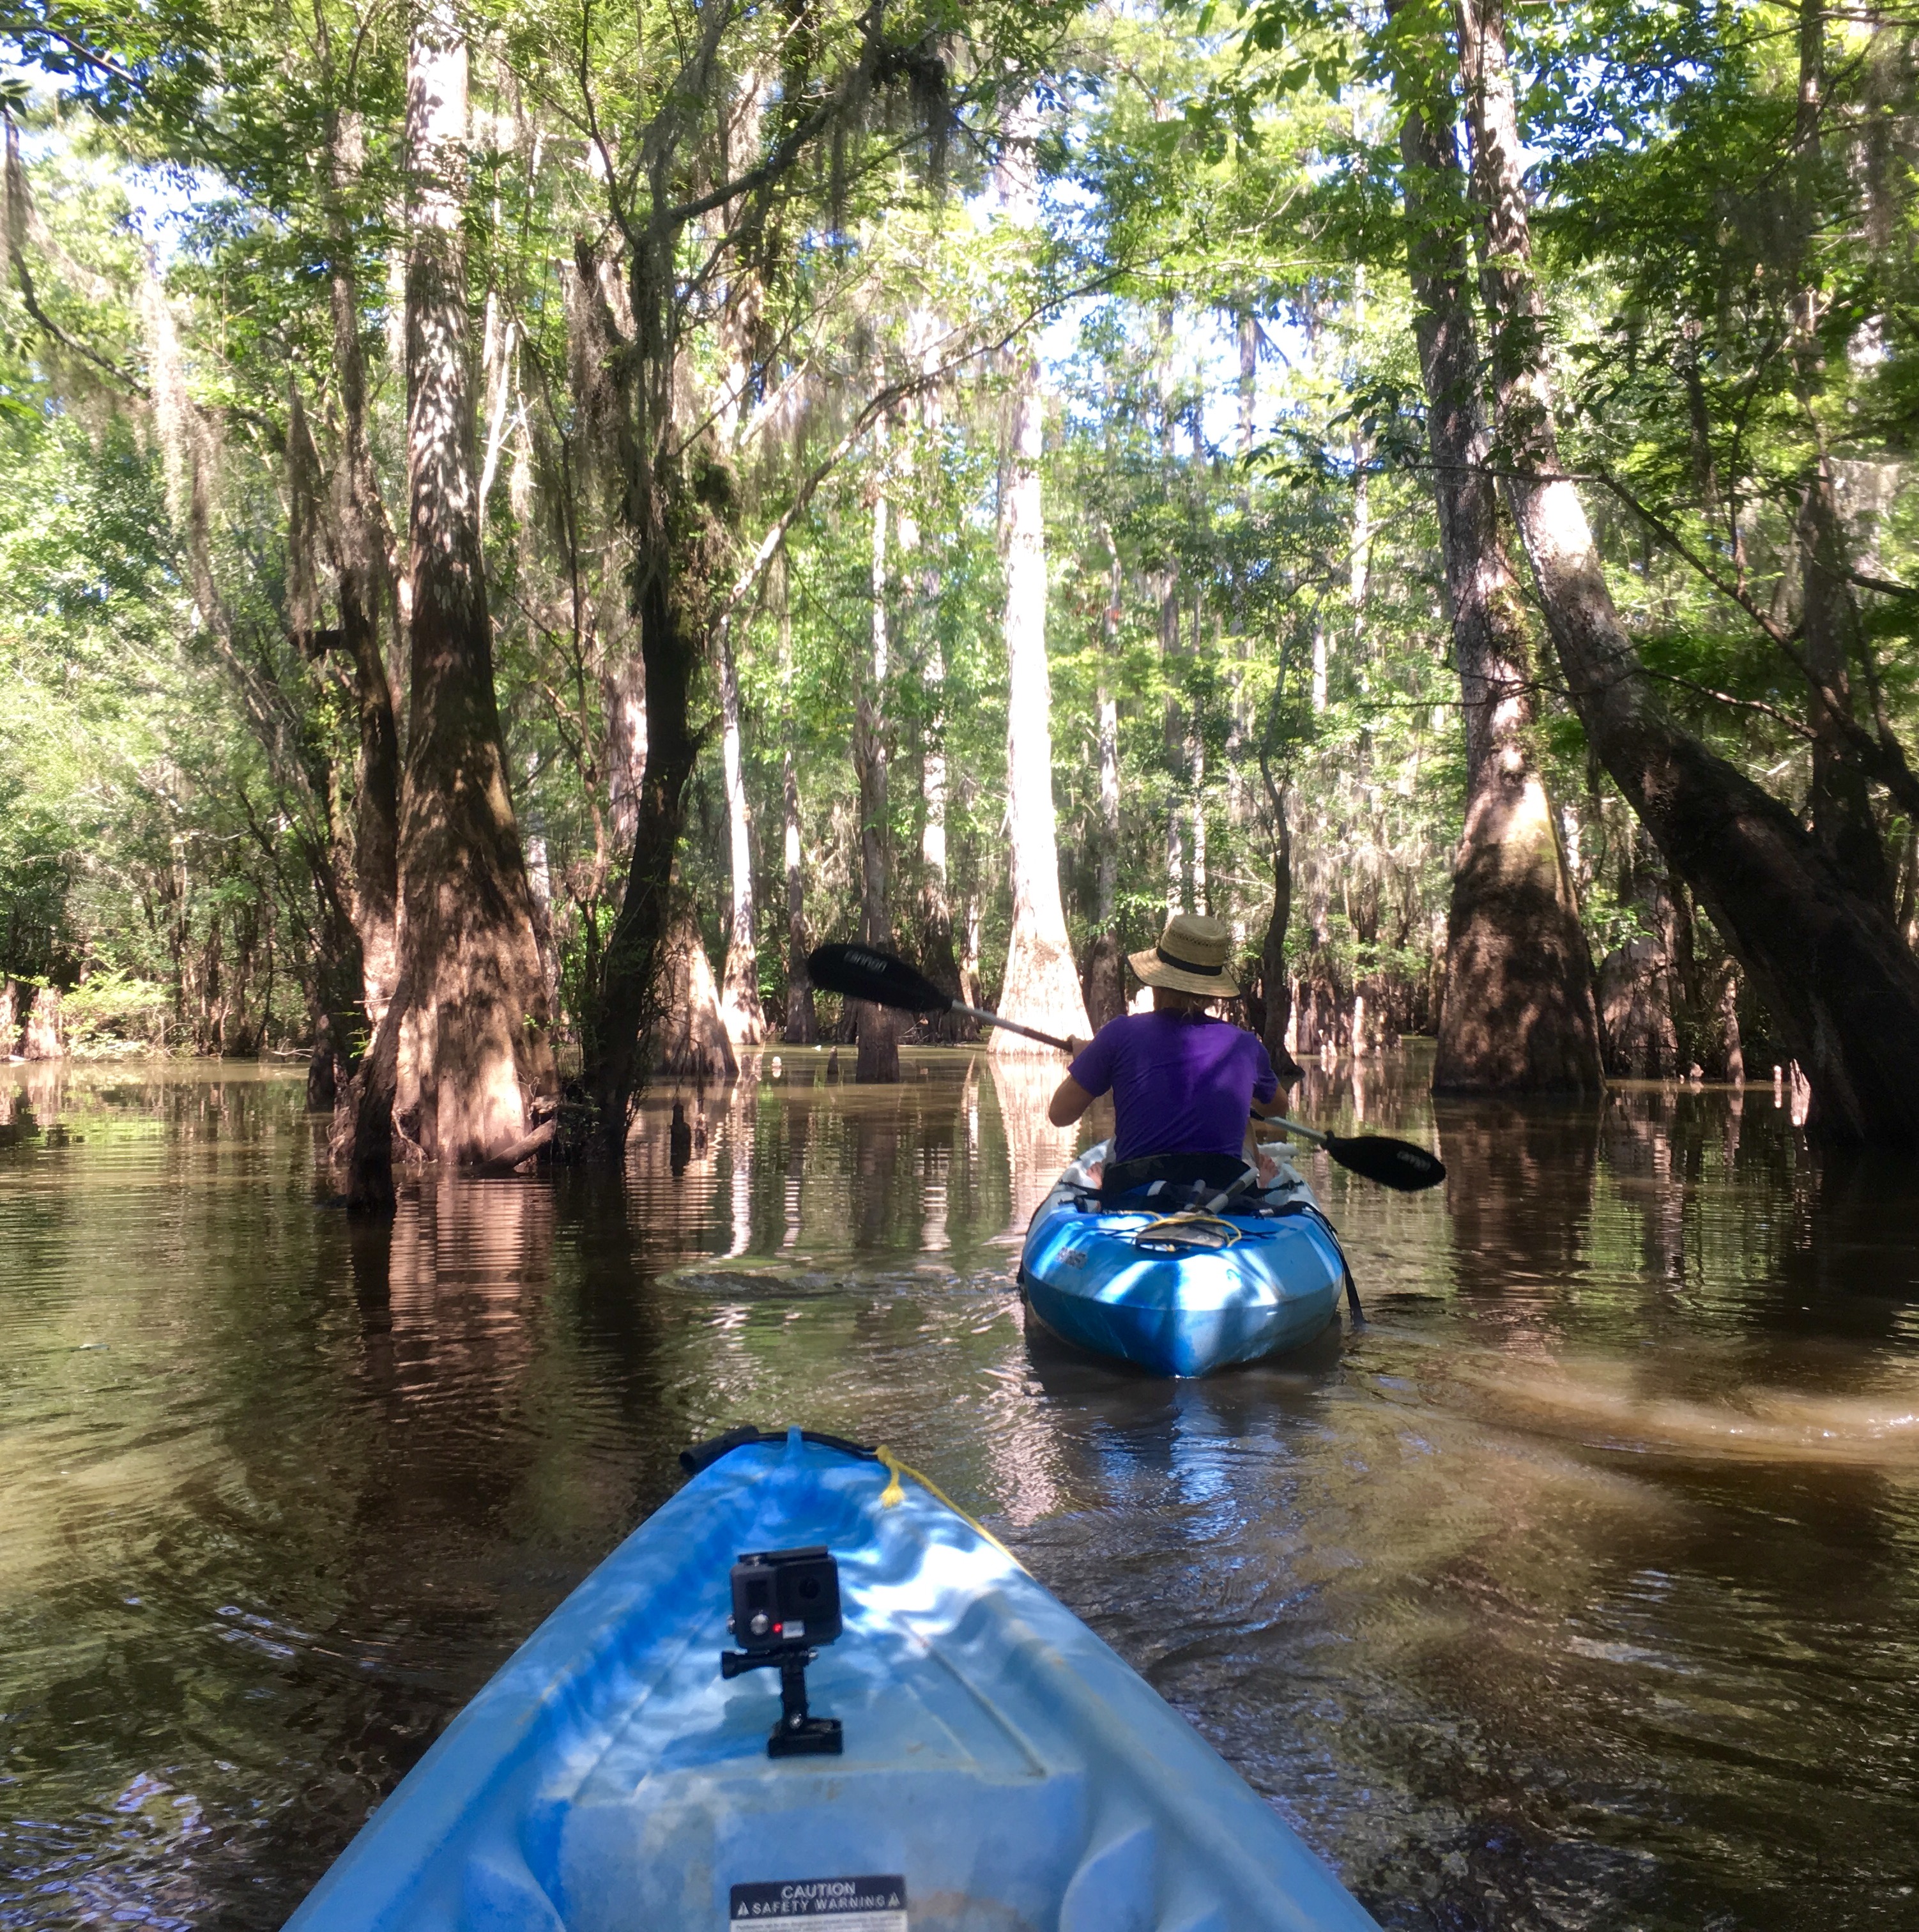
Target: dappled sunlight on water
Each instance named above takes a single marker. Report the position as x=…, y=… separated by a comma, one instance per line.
x=1579, y=1587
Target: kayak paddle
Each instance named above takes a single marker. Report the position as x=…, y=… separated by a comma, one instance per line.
x=1397, y=1164
x=864, y=973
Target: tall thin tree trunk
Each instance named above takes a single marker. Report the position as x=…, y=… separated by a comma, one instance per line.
x=1728, y=1013
x=1841, y=799
x=745, y=1019
x=365, y=593
x=474, y=1053
x=1042, y=987
x=1276, y=988
x=1248, y=328
x=937, y=958
x=1202, y=890
x=1842, y=988
x=1105, y=971
x=1359, y=563
x=802, y=1025
x=1518, y=1014
x=1179, y=882
x=675, y=496
x=877, y=1031
x=625, y=694
x=972, y=986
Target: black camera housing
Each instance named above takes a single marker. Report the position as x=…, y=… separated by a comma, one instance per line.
x=785, y=1603
x=784, y=1600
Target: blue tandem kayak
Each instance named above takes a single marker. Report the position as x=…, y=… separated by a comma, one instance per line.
x=1001, y=1768
x=1181, y=1294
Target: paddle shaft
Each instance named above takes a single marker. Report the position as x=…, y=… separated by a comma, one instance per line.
x=1010, y=1026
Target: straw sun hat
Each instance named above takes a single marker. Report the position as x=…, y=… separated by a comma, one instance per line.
x=1191, y=957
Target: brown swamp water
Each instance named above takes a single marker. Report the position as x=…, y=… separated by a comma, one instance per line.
x=1580, y=1588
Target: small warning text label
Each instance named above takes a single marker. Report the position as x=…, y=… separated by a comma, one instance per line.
x=867, y=1903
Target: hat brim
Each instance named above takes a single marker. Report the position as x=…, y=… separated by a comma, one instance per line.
x=1154, y=971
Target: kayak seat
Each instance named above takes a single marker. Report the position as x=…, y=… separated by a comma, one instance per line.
x=1169, y=1179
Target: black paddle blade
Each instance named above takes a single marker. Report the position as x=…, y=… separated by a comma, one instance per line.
x=862, y=973
x=1391, y=1163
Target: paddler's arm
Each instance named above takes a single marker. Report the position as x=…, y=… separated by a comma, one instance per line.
x=1068, y=1103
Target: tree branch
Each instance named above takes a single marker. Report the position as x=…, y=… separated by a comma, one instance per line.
x=1879, y=754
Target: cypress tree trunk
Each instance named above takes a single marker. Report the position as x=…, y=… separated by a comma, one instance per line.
x=1276, y=988
x=690, y=1038
x=676, y=506
x=1518, y=1014
x=1105, y=980
x=1841, y=987
x=1841, y=799
x=671, y=521
x=937, y=960
x=740, y=1009
x=877, y=1034
x=474, y=1054
x=1042, y=986
x=802, y=1025
x=365, y=592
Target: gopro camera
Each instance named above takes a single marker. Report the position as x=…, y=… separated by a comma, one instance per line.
x=784, y=1598
x=786, y=1603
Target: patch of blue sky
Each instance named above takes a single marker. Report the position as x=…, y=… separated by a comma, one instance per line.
x=162, y=203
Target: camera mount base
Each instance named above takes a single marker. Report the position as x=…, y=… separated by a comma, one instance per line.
x=799, y=1733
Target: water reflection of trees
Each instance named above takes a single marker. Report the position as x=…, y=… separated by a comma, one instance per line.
x=790, y=1163
x=1036, y=1150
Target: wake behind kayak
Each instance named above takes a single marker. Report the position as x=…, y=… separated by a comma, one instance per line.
x=998, y=1766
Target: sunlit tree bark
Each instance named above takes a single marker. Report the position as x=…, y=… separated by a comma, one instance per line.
x=1042, y=987
x=878, y=1033
x=801, y=1027
x=365, y=592
x=739, y=980
x=472, y=1055
x=1518, y=1014
x=1105, y=968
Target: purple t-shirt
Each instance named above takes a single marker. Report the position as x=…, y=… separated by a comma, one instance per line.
x=1182, y=1083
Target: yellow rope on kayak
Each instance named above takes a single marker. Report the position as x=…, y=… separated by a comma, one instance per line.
x=1219, y=1231
x=892, y=1495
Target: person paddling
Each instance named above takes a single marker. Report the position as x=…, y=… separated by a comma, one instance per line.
x=1182, y=1080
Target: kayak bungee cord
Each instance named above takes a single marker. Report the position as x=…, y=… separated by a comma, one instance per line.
x=892, y=1495
x=1207, y=1230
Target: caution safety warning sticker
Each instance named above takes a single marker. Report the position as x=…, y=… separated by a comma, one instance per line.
x=865, y=1904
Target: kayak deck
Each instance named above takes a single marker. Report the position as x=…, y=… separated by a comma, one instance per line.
x=1001, y=1766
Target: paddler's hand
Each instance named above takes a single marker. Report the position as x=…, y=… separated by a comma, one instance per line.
x=1074, y=1046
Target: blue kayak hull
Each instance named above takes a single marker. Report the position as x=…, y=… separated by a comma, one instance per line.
x=1002, y=1768
x=1184, y=1313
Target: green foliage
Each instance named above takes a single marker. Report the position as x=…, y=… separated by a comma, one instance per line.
x=1243, y=551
